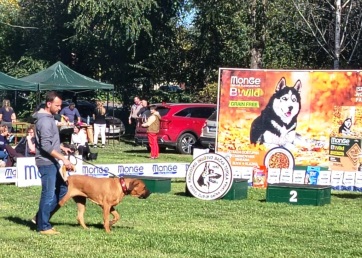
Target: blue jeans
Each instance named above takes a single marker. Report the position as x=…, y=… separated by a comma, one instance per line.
x=3, y=155
x=53, y=190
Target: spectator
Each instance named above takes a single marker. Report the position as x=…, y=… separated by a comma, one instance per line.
x=25, y=148
x=4, y=134
x=99, y=125
x=135, y=108
x=7, y=153
x=7, y=114
x=144, y=110
x=79, y=140
x=26, y=145
x=70, y=113
x=153, y=124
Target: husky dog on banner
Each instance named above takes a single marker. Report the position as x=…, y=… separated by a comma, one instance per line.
x=277, y=122
x=345, y=127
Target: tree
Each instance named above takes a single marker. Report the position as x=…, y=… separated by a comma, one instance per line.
x=221, y=38
x=335, y=26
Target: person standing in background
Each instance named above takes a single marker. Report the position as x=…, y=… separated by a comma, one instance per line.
x=7, y=115
x=153, y=124
x=70, y=113
x=144, y=110
x=99, y=125
x=135, y=108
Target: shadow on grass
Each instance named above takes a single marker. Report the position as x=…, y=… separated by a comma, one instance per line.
x=21, y=221
x=184, y=194
x=128, y=139
x=347, y=195
x=168, y=151
x=32, y=226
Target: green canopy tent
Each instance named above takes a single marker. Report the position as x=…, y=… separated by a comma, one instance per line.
x=10, y=83
x=61, y=77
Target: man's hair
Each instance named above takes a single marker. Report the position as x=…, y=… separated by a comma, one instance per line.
x=153, y=107
x=51, y=95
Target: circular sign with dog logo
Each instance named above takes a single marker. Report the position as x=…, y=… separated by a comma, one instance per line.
x=209, y=177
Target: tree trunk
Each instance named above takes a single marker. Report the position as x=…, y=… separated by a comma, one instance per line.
x=337, y=35
x=258, y=42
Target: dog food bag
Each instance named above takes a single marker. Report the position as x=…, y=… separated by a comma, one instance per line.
x=273, y=175
x=260, y=176
x=348, y=181
x=298, y=176
x=358, y=182
x=286, y=175
x=311, y=175
x=247, y=173
x=324, y=177
x=337, y=179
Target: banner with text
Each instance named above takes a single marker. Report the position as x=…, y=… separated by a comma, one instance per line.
x=281, y=119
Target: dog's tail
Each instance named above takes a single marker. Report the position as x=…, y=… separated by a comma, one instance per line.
x=64, y=172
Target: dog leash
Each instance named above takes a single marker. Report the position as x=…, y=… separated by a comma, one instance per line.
x=121, y=179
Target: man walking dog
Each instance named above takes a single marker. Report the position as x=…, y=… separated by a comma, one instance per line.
x=48, y=153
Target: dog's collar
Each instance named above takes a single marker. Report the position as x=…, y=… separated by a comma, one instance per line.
x=123, y=185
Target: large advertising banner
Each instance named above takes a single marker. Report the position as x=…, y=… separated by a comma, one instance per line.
x=284, y=119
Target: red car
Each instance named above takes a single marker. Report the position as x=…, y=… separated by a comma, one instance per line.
x=181, y=125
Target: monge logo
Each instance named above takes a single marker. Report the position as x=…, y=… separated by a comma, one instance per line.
x=95, y=170
x=131, y=170
x=166, y=169
x=10, y=173
x=31, y=173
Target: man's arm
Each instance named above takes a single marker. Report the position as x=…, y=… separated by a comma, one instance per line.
x=78, y=115
x=150, y=120
x=46, y=140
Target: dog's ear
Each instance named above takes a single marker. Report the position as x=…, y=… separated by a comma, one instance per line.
x=298, y=85
x=132, y=184
x=281, y=84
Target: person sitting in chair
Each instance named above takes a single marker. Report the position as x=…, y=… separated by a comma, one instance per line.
x=26, y=145
x=25, y=148
x=79, y=140
x=7, y=153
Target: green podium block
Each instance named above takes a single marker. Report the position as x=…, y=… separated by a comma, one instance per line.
x=298, y=194
x=157, y=184
x=238, y=190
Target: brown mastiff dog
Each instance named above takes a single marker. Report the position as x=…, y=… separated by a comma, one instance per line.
x=106, y=192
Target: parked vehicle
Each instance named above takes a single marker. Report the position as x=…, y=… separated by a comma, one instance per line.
x=181, y=125
x=171, y=88
x=208, y=133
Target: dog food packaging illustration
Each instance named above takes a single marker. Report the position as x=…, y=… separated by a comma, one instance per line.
x=311, y=175
x=344, y=153
x=260, y=177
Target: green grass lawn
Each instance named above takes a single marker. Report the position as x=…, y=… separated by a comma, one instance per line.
x=174, y=225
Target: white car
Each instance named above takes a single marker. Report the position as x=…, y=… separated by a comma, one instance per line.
x=208, y=133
